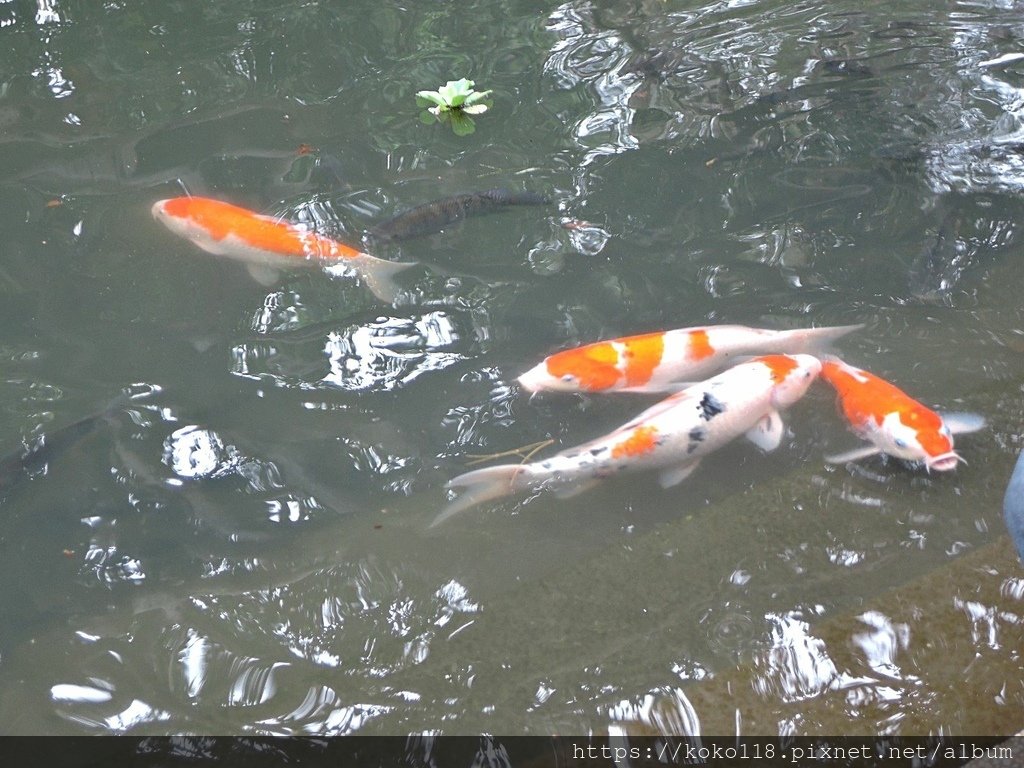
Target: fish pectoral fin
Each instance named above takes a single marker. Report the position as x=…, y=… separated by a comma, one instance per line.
x=767, y=433
x=262, y=274
x=569, y=490
x=675, y=475
x=961, y=423
x=855, y=455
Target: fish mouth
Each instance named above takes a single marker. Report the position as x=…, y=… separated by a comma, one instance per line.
x=158, y=209
x=943, y=462
x=533, y=381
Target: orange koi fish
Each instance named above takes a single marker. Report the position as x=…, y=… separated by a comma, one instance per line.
x=893, y=422
x=672, y=436
x=267, y=244
x=657, y=362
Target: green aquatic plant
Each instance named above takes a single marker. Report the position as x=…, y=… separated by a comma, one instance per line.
x=455, y=101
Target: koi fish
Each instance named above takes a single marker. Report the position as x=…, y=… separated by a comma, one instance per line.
x=268, y=244
x=434, y=216
x=893, y=422
x=672, y=436
x=656, y=362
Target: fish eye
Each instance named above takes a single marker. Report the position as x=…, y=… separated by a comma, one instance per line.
x=568, y=377
x=900, y=443
x=945, y=431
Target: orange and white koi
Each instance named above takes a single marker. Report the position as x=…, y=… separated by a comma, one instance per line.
x=672, y=436
x=268, y=244
x=893, y=422
x=661, y=361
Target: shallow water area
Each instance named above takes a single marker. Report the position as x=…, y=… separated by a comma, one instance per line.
x=234, y=535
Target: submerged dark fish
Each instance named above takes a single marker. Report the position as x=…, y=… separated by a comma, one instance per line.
x=33, y=458
x=434, y=216
x=940, y=263
x=1013, y=506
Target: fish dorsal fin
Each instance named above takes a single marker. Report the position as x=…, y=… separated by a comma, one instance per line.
x=961, y=423
x=675, y=475
x=767, y=433
x=262, y=274
x=855, y=455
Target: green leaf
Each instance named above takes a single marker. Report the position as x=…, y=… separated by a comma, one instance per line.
x=478, y=96
x=462, y=125
x=425, y=98
x=427, y=117
x=475, y=109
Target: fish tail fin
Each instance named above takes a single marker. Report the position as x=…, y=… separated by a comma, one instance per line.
x=485, y=484
x=379, y=276
x=818, y=341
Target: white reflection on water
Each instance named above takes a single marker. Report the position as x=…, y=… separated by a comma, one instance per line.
x=195, y=452
x=66, y=692
x=383, y=355
x=193, y=662
x=988, y=622
x=254, y=682
x=319, y=713
x=797, y=666
x=666, y=710
x=880, y=646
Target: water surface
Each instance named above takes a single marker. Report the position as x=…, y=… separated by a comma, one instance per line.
x=240, y=544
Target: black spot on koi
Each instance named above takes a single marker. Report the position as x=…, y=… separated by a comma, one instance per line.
x=710, y=406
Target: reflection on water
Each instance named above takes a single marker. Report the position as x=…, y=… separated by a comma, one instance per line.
x=386, y=354
x=240, y=544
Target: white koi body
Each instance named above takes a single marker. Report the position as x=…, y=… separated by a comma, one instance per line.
x=672, y=436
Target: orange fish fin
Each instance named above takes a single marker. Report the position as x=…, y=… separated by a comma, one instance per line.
x=675, y=475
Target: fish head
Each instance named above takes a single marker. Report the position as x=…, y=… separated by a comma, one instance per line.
x=177, y=215
x=538, y=378
x=591, y=368
x=200, y=220
x=791, y=375
x=918, y=434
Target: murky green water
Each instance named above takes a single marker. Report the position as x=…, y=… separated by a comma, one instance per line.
x=240, y=543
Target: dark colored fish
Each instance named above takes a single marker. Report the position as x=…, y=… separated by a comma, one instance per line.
x=434, y=216
x=939, y=265
x=34, y=457
x=1013, y=506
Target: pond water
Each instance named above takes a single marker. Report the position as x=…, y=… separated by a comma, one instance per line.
x=239, y=541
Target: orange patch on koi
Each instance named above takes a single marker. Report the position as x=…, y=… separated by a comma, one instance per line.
x=780, y=366
x=642, y=355
x=593, y=366
x=700, y=345
x=640, y=441
x=221, y=219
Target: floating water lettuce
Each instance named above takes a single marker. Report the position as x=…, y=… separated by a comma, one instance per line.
x=455, y=102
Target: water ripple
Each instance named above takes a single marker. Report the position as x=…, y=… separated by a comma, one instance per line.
x=384, y=355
